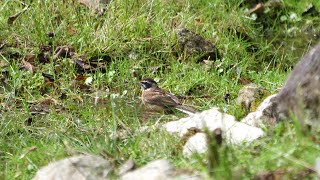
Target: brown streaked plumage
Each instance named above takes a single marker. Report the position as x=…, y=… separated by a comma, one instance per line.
x=155, y=96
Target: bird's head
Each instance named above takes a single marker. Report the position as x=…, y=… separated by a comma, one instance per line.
x=147, y=83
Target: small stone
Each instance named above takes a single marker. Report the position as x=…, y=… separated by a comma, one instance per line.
x=250, y=96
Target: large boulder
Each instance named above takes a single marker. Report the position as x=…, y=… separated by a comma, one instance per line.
x=300, y=96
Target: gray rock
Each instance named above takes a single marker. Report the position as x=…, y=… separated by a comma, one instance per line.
x=301, y=92
x=195, y=45
x=82, y=167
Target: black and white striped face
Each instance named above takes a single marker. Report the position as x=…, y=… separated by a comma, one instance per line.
x=147, y=83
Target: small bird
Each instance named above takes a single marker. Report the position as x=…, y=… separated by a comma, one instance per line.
x=156, y=97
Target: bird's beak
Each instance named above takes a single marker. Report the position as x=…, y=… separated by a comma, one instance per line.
x=139, y=83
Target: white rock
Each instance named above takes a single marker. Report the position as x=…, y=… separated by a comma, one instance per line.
x=233, y=131
x=317, y=166
x=158, y=169
x=261, y=117
x=195, y=144
x=80, y=167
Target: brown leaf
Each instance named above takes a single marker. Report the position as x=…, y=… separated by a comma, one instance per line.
x=258, y=9
x=28, y=66
x=98, y=62
x=63, y=52
x=81, y=78
x=71, y=30
x=244, y=81
x=30, y=149
x=48, y=77
x=30, y=58
x=43, y=106
x=45, y=53
x=82, y=66
x=12, y=18
x=79, y=83
x=198, y=21
x=28, y=121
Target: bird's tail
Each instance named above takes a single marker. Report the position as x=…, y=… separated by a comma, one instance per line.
x=186, y=109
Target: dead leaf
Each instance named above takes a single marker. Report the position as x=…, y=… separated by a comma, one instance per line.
x=30, y=149
x=28, y=66
x=198, y=21
x=79, y=83
x=244, y=81
x=95, y=63
x=81, y=78
x=28, y=121
x=48, y=78
x=45, y=53
x=258, y=9
x=71, y=30
x=82, y=66
x=43, y=106
x=63, y=52
x=12, y=18
x=30, y=58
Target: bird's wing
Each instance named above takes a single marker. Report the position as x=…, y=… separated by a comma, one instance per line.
x=159, y=97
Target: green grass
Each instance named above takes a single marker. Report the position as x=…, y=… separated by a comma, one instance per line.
x=146, y=29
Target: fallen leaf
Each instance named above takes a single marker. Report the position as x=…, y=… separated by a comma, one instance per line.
x=12, y=18
x=82, y=66
x=258, y=9
x=30, y=58
x=48, y=78
x=63, y=52
x=198, y=21
x=28, y=121
x=28, y=66
x=30, y=149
